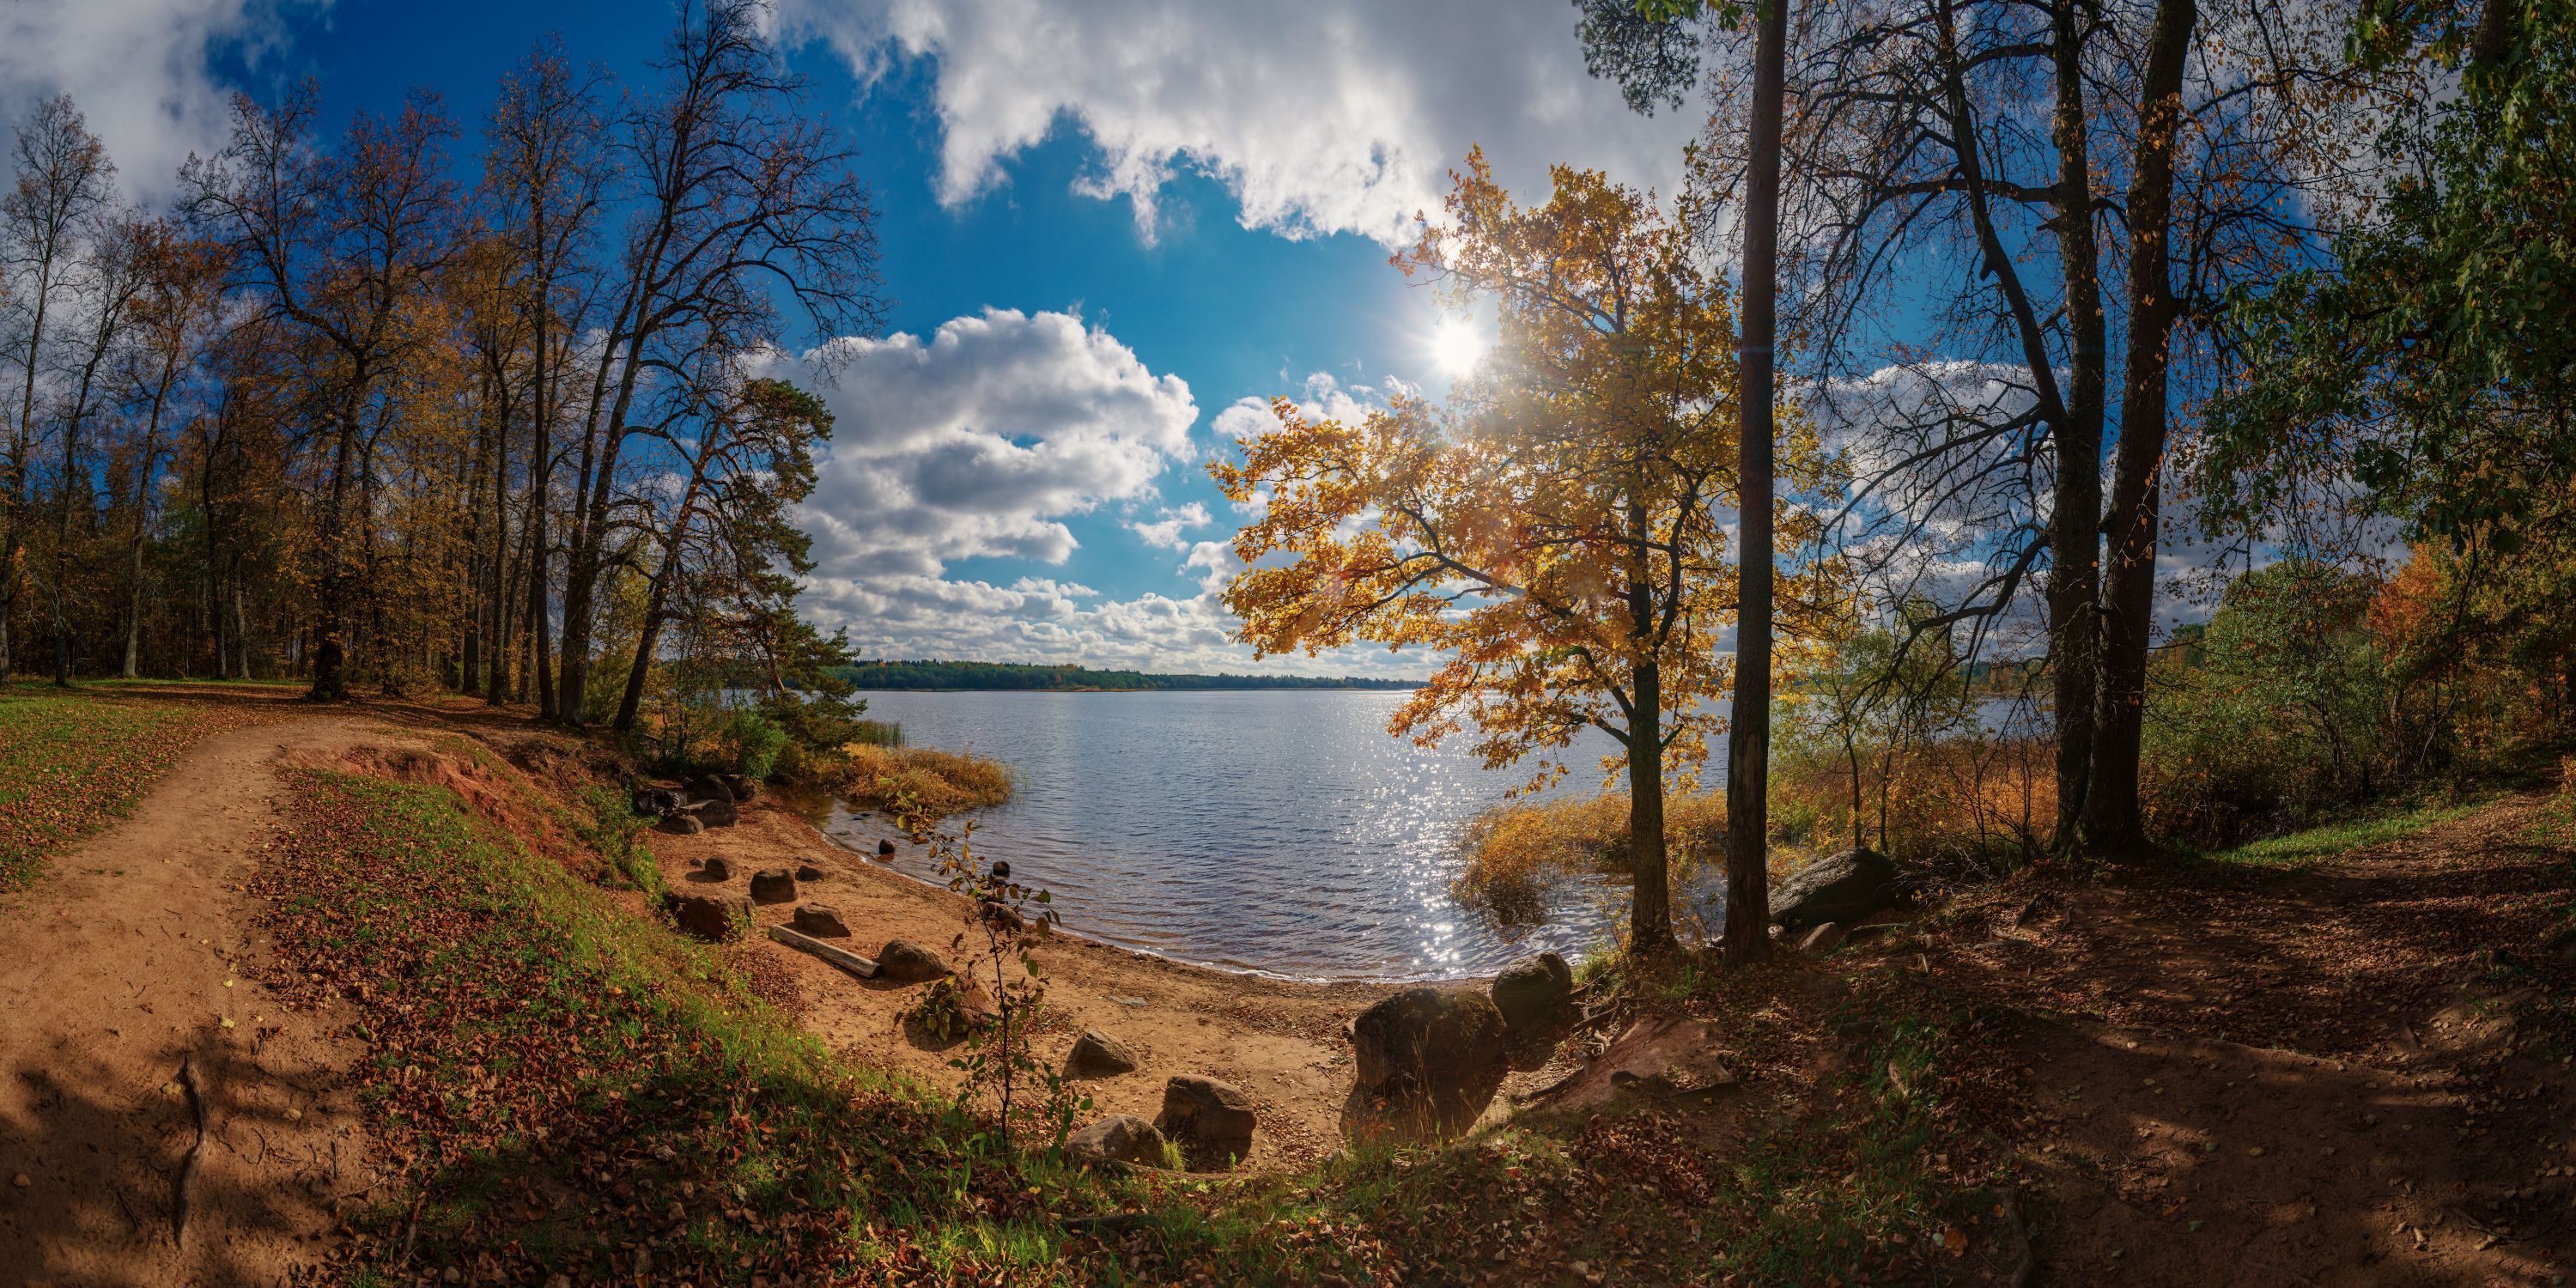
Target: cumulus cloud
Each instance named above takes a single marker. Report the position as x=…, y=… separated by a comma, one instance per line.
x=980, y=441
x=139, y=69
x=1321, y=117
x=1165, y=531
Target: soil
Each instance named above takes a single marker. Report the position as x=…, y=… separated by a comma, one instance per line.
x=129, y=962
x=2342, y=1076
x=2328, y=1077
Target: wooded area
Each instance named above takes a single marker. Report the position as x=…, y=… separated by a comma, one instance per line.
x=347, y=412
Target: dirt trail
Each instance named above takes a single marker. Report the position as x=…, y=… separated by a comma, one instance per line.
x=2318, y=1078
x=126, y=962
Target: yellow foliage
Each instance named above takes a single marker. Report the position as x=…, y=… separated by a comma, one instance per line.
x=938, y=783
x=1553, y=529
x=1516, y=851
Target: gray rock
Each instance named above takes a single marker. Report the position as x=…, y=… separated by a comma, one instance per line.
x=656, y=801
x=1118, y=1138
x=718, y=868
x=717, y=813
x=683, y=825
x=1535, y=993
x=742, y=787
x=1097, y=1055
x=721, y=918
x=808, y=872
x=1841, y=887
x=1823, y=939
x=906, y=962
x=773, y=885
x=1211, y=1121
x=820, y=921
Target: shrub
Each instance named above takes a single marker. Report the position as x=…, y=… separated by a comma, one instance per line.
x=936, y=783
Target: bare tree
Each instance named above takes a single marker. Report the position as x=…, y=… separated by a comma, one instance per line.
x=742, y=200
x=338, y=244
x=64, y=184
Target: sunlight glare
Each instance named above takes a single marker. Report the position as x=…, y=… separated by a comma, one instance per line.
x=1457, y=346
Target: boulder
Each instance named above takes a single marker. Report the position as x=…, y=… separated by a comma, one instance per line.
x=721, y=918
x=1118, y=1138
x=716, y=813
x=1428, y=1039
x=884, y=848
x=683, y=825
x=773, y=885
x=656, y=801
x=819, y=921
x=906, y=962
x=1211, y=1121
x=718, y=868
x=710, y=787
x=1823, y=939
x=808, y=872
x=1097, y=1055
x=1535, y=993
x=1841, y=887
x=741, y=786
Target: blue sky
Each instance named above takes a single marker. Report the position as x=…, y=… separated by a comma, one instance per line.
x=1106, y=224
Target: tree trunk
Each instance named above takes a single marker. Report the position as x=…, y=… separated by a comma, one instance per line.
x=1650, y=908
x=646, y=641
x=2076, y=521
x=2112, y=819
x=330, y=654
x=1748, y=732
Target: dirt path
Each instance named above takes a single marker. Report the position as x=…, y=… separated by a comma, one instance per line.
x=126, y=965
x=2326, y=1077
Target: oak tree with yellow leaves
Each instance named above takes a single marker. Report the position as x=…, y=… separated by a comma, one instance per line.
x=1557, y=528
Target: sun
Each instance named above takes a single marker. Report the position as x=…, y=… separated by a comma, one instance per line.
x=1456, y=345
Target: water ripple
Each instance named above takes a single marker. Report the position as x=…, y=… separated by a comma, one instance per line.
x=1281, y=832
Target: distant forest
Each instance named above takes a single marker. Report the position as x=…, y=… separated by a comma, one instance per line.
x=1021, y=675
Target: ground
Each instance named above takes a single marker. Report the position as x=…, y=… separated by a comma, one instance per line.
x=2320, y=1067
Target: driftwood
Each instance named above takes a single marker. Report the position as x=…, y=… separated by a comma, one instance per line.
x=862, y=967
x=188, y=1166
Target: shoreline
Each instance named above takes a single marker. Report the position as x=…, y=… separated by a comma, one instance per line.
x=1279, y=1040
x=875, y=863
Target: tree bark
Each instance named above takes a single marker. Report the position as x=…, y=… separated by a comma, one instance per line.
x=1748, y=732
x=2113, y=820
x=2075, y=522
x=1650, y=908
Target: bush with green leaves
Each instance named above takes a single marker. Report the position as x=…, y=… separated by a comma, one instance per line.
x=2282, y=708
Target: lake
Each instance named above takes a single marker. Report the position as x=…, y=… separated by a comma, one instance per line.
x=1283, y=831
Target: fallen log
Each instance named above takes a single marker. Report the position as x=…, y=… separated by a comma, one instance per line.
x=862, y=967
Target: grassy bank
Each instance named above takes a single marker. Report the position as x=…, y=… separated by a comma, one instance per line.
x=72, y=762
x=567, y=1087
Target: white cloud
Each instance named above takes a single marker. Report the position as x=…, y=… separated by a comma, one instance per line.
x=1166, y=530
x=980, y=441
x=137, y=68
x=1320, y=117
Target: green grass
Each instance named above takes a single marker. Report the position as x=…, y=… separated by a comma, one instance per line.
x=522, y=1029
x=2317, y=844
x=70, y=764
x=522, y=1026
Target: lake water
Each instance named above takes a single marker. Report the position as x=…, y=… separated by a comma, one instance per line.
x=1282, y=832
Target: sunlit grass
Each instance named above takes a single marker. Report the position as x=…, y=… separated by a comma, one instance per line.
x=69, y=765
x=2317, y=844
